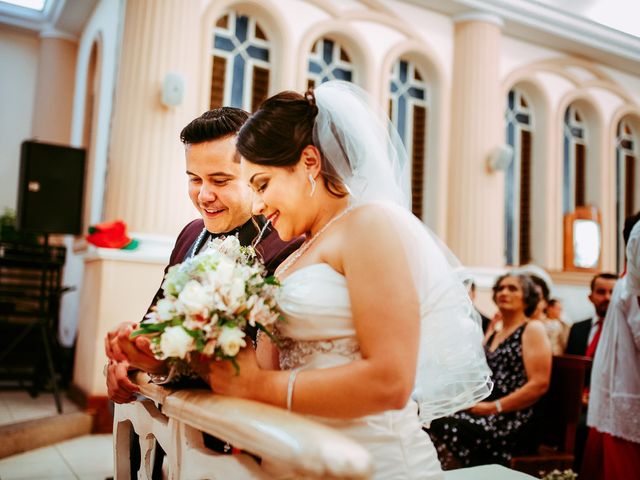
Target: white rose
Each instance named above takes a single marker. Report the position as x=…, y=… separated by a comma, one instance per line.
x=165, y=309
x=224, y=273
x=175, y=280
x=231, y=340
x=230, y=246
x=236, y=294
x=194, y=299
x=261, y=313
x=175, y=342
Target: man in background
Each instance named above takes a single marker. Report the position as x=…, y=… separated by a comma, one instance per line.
x=584, y=335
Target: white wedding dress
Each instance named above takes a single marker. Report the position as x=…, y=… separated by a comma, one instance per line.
x=318, y=332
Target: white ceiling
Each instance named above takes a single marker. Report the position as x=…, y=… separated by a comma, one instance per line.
x=62, y=17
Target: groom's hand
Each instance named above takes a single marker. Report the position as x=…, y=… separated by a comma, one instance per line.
x=111, y=345
x=120, y=388
x=138, y=353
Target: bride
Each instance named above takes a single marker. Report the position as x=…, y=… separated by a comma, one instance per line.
x=378, y=337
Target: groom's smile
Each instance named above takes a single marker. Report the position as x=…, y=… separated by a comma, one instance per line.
x=224, y=202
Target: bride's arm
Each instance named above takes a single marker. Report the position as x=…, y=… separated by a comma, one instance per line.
x=267, y=353
x=386, y=317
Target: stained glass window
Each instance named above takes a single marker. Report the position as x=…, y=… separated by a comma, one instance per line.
x=626, y=181
x=241, y=63
x=517, y=211
x=575, y=160
x=328, y=60
x=408, y=110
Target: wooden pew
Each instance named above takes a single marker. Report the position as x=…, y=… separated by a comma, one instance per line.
x=561, y=408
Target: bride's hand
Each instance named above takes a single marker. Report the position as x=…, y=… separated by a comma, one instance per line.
x=225, y=379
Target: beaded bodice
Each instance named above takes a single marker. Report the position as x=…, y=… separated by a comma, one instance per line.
x=318, y=330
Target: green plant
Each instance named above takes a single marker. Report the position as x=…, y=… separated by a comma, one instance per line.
x=8, y=231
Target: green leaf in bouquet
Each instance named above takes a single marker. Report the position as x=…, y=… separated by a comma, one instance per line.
x=200, y=343
x=271, y=336
x=148, y=329
x=272, y=280
x=236, y=367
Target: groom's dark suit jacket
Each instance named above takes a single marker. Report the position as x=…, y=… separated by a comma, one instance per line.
x=578, y=337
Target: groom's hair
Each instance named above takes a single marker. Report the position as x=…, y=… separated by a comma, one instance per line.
x=214, y=124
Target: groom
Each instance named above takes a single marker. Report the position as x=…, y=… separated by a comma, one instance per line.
x=224, y=203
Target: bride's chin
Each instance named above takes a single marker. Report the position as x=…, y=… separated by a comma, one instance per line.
x=284, y=235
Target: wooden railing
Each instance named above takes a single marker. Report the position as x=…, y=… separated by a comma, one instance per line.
x=177, y=418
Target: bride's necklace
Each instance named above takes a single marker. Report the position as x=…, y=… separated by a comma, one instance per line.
x=305, y=246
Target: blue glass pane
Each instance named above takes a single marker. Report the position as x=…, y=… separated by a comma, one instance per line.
x=618, y=198
x=314, y=67
x=402, y=117
x=341, y=74
x=511, y=136
x=511, y=99
x=394, y=87
x=416, y=93
x=327, y=51
x=522, y=118
x=223, y=43
x=258, y=53
x=325, y=79
x=509, y=209
x=566, y=181
x=237, y=86
x=242, y=24
x=576, y=132
x=566, y=116
x=404, y=68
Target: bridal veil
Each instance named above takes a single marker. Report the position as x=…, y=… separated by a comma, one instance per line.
x=363, y=151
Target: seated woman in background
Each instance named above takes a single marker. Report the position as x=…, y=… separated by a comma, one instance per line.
x=557, y=330
x=519, y=355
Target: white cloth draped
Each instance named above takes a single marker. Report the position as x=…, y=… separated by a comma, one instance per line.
x=614, y=403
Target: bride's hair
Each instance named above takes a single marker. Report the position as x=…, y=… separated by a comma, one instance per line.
x=278, y=132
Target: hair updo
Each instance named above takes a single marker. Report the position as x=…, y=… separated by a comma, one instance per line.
x=277, y=133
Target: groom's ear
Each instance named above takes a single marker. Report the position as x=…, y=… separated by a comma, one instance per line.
x=312, y=159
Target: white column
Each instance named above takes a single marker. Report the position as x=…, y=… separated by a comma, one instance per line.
x=476, y=196
x=146, y=182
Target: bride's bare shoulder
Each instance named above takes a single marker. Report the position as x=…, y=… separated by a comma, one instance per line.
x=371, y=221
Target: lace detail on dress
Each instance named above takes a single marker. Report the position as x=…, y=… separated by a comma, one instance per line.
x=296, y=353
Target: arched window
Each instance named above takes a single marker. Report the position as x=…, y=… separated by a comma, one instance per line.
x=575, y=160
x=408, y=110
x=517, y=209
x=328, y=60
x=626, y=180
x=241, y=68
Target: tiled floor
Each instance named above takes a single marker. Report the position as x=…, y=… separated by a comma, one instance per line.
x=18, y=405
x=89, y=457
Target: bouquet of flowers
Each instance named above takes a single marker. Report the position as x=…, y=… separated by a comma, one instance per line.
x=208, y=302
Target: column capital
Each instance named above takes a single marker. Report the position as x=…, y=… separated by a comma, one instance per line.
x=48, y=31
x=479, y=16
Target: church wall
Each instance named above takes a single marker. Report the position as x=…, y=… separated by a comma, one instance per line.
x=375, y=41
x=19, y=54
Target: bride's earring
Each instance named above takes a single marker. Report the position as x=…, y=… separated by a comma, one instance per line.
x=312, y=181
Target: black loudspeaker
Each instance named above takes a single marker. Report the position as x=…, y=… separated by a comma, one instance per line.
x=51, y=188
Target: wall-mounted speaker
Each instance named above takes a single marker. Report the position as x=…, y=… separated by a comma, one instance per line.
x=51, y=188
